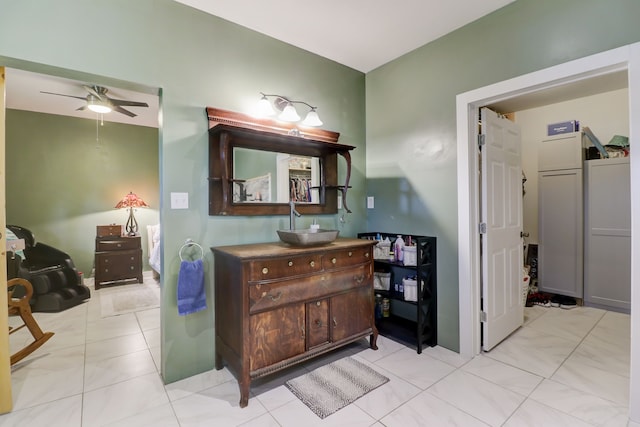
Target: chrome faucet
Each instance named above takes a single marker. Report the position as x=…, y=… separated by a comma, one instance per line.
x=293, y=213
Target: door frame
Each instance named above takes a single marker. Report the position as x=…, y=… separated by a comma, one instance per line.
x=467, y=116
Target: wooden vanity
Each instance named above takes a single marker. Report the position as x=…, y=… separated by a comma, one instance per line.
x=277, y=305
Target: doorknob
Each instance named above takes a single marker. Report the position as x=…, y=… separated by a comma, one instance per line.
x=523, y=234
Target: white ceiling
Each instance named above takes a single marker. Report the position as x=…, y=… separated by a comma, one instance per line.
x=361, y=34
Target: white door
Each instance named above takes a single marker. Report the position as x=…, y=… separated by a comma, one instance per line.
x=501, y=216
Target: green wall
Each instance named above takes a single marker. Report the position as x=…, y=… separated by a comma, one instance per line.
x=63, y=179
x=192, y=60
x=411, y=121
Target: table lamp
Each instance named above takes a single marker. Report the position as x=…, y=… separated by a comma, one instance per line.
x=131, y=201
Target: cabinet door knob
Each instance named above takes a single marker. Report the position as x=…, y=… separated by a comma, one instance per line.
x=302, y=331
x=350, y=253
x=290, y=264
x=333, y=260
x=318, y=303
x=335, y=322
x=312, y=263
x=366, y=255
x=265, y=270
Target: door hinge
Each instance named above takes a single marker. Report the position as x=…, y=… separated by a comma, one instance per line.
x=481, y=139
x=483, y=316
x=483, y=228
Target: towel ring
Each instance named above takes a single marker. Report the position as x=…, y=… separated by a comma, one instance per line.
x=187, y=244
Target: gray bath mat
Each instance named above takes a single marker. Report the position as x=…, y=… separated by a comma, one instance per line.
x=332, y=387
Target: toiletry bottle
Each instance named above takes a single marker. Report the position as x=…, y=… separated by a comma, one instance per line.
x=397, y=248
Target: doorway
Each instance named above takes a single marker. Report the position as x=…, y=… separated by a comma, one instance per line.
x=468, y=198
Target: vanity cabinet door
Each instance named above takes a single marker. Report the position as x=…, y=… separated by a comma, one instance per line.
x=317, y=323
x=277, y=335
x=351, y=313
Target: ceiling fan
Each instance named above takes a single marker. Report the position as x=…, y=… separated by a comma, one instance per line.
x=98, y=101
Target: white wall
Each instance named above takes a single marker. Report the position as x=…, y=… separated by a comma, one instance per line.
x=606, y=114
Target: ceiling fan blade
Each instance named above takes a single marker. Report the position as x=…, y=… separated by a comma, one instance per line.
x=84, y=107
x=61, y=94
x=119, y=109
x=125, y=103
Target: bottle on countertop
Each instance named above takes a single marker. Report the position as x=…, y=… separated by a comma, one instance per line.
x=397, y=248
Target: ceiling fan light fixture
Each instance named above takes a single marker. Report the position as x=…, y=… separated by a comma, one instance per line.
x=97, y=105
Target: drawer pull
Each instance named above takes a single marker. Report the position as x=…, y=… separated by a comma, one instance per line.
x=119, y=245
x=333, y=260
x=276, y=297
x=265, y=270
x=350, y=253
x=319, y=323
x=312, y=264
x=318, y=303
x=290, y=264
x=366, y=255
x=359, y=279
x=132, y=268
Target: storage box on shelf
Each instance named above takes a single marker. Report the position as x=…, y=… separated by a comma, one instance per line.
x=409, y=285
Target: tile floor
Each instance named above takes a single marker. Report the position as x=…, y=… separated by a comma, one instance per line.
x=563, y=368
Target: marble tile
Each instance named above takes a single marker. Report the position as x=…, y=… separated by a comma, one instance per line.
x=589, y=408
x=534, y=414
x=216, y=406
x=534, y=351
x=157, y=357
x=197, y=383
x=504, y=375
x=123, y=400
x=599, y=354
x=296, y=414
x=111, y=327
x=428, y=408
x=418, y=369
x=149, y=319
x=116, y=369
x=532, y=313
x=118, y=346
x=595, y=381
x=265, y=420
x=445, y=355
x=152, y=337
x=633, y=424
x=486, y=401
x=271, y=390
x=570, y=324
x=66, y=412
x=388, y=397
x=159, y=416
x=386, y=347
x=47, y=377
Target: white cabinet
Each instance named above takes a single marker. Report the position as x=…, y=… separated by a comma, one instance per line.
x=560, y=215
x=607, y=270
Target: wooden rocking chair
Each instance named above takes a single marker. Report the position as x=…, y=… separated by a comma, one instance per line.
x=20, y=307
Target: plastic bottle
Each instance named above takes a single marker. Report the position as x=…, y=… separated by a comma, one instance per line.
x=397, y=248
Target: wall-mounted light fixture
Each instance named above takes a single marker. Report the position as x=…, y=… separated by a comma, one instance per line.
x=288, y=111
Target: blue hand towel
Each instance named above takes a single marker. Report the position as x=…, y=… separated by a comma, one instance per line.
x=191, y=294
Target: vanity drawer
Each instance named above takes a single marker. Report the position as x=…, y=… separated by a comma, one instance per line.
x=269, y=269
x=346, y=258
x=268, y=295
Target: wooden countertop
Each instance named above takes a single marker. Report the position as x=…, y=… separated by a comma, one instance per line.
x=276, y=249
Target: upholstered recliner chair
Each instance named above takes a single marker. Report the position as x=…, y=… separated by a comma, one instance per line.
x=56, y=282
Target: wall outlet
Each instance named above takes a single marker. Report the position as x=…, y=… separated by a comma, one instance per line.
x=370, y=202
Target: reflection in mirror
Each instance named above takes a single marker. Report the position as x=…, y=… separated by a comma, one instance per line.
x=268, y=177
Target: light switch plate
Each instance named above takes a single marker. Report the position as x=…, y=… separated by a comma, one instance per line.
x=179, y=200
x=370, y=202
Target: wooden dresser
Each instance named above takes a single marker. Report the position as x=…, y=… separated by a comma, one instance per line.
x=278, y=305
x=118, y=259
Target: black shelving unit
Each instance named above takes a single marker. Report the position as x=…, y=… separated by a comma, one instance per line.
x=413, y=323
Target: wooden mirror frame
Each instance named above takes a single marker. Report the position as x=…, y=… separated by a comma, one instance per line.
x=228, y=130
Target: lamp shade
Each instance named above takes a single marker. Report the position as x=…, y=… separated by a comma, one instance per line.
x=312, y=119
x=131, y=201
x=97, y=105
x=264, y=107
x=289, y=114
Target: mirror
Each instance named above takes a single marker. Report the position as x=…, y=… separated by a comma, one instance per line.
x=256, y=166
x=269, y=177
